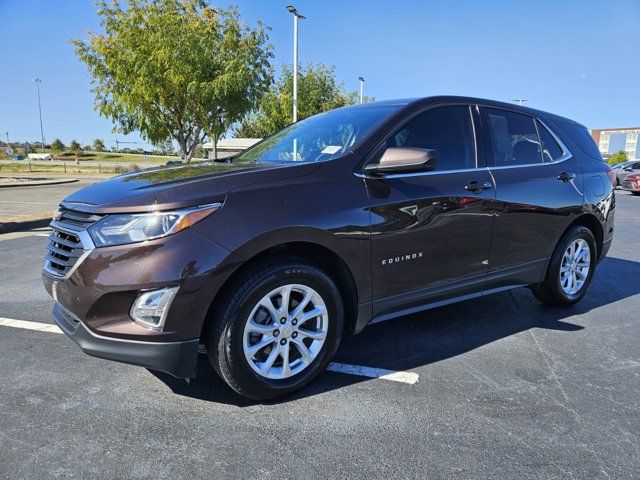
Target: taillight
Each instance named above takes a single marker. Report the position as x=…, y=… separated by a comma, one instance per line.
x=612, y=177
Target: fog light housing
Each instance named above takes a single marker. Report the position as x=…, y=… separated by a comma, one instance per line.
x=151, y=307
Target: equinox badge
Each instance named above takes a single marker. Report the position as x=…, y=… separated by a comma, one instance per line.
x=402, y=258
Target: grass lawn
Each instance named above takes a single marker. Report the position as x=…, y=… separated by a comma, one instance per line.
x=112, y=157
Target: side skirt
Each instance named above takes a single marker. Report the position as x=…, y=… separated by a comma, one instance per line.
x=452, y=292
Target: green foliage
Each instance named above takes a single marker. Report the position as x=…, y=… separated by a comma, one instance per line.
x=74, y=146
x=98, y=145
x=617, y=158
x=57, y=146
x=175, y=69
x=318, y=91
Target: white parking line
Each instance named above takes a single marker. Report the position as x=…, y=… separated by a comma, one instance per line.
x=362, y=371
x=381, y=373
x=41, y=327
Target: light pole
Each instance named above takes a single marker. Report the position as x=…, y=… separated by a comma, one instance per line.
x=361, y=89
x=7, y=134
x=520, y=101
x=37, y=81
x=296, y=16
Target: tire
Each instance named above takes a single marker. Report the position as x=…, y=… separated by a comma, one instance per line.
x=230, y=340
x=552, y=291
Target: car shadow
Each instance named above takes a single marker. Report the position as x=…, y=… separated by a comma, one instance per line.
x=435, y=335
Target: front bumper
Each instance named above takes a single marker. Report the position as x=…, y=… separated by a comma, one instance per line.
x=176, y=358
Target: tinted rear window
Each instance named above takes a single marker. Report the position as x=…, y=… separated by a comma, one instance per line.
x=580, y=135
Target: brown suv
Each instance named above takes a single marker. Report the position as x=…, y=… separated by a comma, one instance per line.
x=356, y=215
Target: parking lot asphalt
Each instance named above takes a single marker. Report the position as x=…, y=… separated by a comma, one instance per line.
x=507, y=388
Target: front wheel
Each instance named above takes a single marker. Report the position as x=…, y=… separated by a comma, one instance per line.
x=570, y=269
x=277, y=330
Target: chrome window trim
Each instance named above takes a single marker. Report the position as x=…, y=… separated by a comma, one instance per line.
x=566, y=153
x=502, y=167
x=475, y=138
x=420, y=174
x=435, y=172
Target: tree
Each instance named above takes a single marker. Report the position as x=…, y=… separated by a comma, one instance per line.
x=617, y=158
x=318, y=91
x=98, y=145
x=57, y=146
x=74, y=146
x=175, y=69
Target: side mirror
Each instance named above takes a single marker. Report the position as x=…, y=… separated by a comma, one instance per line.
x=403, y=160
x=627, y=169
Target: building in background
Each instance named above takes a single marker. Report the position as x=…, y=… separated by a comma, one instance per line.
x=228, y=147
x=614, y=140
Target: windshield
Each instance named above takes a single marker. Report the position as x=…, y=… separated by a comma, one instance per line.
x=321, y=137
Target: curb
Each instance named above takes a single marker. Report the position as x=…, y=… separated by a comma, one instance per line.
x=10, y=227
x=38, y=184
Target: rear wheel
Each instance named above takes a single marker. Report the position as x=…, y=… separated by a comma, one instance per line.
x=570, y=270
x=277, y=330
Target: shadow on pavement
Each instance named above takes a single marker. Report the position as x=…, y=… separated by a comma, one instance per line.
x=435, y=335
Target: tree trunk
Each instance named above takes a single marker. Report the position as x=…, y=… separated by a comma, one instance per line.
x=215, y=147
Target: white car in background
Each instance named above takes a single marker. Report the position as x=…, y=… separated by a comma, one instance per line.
x=625, y=168
x=40, y=156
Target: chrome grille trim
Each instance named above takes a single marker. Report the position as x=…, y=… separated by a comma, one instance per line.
x=69, y=242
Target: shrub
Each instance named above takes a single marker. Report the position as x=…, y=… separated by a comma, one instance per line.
x=617, y=158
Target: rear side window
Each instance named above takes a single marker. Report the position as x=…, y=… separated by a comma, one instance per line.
x=514, y=138
x=551, y=151
x=447, y=130
x=580, y=135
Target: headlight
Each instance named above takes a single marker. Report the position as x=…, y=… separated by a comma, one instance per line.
x=138, y=227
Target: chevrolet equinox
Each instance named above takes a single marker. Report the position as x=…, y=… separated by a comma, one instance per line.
x=346, y=218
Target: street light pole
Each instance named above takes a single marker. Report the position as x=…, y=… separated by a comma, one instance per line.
x=37, y=81
x=361, y=89
x=296, y=16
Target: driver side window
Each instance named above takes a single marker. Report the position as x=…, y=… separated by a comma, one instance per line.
x=447, y=130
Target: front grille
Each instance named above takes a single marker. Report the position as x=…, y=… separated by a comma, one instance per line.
x=66, y=243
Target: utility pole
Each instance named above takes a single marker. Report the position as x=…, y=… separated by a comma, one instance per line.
x=361, y=89
x=7, y=134
x=520, y=101
x=296, y=16
x=37, y=81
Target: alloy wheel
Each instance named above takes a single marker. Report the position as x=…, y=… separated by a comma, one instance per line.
x=285, y=331
x=575, y=266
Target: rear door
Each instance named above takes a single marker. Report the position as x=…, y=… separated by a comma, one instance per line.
x=431, y=230
x=538, y=187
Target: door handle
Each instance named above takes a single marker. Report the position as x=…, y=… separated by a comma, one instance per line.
x=566, y=176
x=477, y=187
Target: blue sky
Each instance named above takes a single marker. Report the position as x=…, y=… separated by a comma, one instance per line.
x=575, y=58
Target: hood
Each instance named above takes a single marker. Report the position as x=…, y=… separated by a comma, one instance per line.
x=168, y=188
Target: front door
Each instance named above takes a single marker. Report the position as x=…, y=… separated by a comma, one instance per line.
x=431, y=231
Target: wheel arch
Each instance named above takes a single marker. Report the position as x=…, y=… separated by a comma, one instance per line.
x=590, y=221
x=292, y=243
